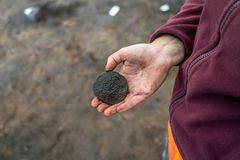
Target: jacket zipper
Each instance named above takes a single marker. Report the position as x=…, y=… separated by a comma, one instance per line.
x=203, y=56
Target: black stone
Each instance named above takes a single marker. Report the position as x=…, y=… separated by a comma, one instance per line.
x=111, y=88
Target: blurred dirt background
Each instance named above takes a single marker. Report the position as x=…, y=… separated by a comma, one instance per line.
x=46, y=74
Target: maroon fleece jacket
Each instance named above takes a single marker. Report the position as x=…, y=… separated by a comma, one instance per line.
x=205, y=106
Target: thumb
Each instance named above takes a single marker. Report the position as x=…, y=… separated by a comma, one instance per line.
x=115, y=59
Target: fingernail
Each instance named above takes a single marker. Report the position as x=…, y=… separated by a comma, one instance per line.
x=119, y=109
x=99, y=109
x=113, y=112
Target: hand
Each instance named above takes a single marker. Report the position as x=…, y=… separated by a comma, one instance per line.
x=145, y=66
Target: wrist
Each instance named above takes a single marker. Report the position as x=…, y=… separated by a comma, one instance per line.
x=169, y=48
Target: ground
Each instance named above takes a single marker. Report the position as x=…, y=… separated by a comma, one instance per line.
x=47, y=71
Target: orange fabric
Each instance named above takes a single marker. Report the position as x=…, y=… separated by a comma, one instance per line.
x=173, y=152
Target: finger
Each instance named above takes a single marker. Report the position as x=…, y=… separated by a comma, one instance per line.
x=115, y=59
x=102, y=107
x=130, y=103
x=95, y=102
x=111, y=110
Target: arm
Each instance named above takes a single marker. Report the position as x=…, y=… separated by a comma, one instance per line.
x=183, y=25
x=145, y=66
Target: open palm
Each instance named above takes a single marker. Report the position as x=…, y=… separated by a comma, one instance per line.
x=145, y=70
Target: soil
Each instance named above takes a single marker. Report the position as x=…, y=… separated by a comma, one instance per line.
x=47, y=70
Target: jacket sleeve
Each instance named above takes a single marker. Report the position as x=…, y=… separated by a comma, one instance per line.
x=183, y=25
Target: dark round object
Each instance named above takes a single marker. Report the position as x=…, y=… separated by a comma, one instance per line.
x=110, y=88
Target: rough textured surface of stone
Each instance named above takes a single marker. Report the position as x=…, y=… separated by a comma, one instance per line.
x=110, y=88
